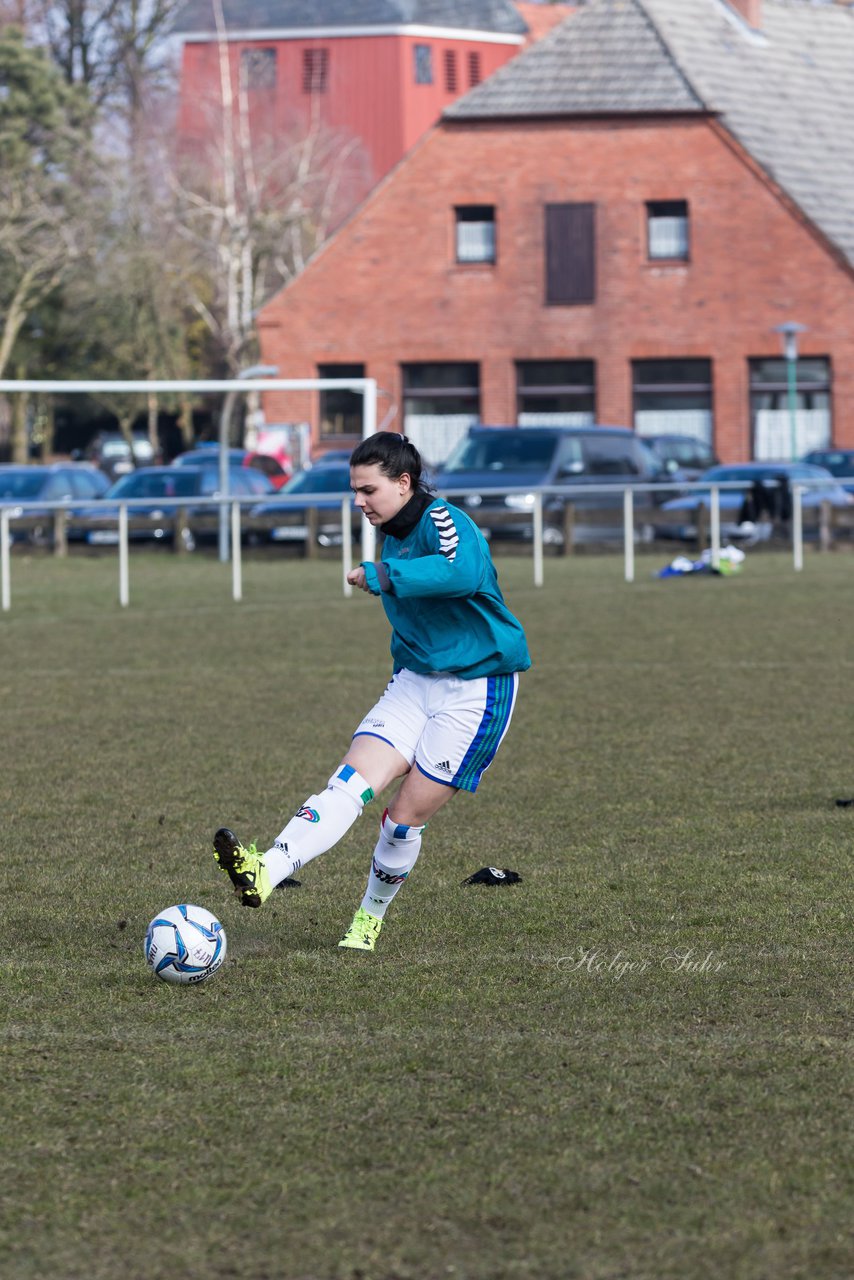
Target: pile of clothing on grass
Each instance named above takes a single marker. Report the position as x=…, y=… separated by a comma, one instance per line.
x=730, y=560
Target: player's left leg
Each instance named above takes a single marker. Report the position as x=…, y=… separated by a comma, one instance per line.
x=395, y=854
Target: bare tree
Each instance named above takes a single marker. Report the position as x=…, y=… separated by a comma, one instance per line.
x=252, y=208
x=110, y=46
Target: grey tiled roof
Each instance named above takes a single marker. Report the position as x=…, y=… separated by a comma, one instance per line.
x=265, y=15
x=786, y=94
x=607, y=57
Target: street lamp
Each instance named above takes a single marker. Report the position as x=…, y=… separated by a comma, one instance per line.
x=790, y=331
x=255, y=371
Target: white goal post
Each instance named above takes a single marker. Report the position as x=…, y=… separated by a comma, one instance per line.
x=366, y=387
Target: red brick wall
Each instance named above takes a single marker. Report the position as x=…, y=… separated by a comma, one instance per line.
x=386, y=289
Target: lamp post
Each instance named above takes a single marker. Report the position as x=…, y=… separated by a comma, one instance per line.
x=255, y=371
x=790, y=331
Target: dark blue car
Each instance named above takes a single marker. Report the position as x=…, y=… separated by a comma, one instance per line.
x=764, y=496
x=153, y=520
x=839, y=462
x=570, y=459
x=322, y=489
x=50, y=482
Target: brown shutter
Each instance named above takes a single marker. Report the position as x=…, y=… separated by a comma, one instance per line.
x=570, y=254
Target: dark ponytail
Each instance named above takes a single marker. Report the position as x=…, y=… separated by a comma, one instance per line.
x=393, y=454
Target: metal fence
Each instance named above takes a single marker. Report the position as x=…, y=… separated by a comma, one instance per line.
x=58, y=513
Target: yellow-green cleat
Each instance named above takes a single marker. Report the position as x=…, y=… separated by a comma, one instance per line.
x=244, y=867
x=363, y=932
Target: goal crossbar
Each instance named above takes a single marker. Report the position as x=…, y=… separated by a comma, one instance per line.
x=201, y=385
x=366, y=387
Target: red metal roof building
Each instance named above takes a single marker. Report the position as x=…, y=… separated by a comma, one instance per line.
x=377, y=74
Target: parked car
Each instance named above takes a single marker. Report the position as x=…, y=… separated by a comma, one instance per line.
x=683, y=457
x=207, y=455
x=839, y=462
x=155, y=522
x=571, y=458
x=332, y=457
x=49, y=482
x=322, y=488
x=112, y=453
x=752, y=511
x=263, y=462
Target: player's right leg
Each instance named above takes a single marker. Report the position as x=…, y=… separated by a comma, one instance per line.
x=244, y=866
x=369, y=766
x=383, y=748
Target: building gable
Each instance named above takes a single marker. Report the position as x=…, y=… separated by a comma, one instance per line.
x=784, y=89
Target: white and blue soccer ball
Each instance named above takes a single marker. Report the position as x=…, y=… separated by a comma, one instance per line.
x=184, y=944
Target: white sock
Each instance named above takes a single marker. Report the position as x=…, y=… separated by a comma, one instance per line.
x=318, y=824
x=395, y=855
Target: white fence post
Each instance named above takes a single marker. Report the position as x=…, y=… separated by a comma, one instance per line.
x=629, y=533
x=236, y=553
x=798, y=527
x=369, y=426
x=4, y=560
x=716, y=527
x=346, y=545
x=538, y=539
x=124, y=586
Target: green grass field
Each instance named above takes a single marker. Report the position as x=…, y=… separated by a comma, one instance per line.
x=634, y=1064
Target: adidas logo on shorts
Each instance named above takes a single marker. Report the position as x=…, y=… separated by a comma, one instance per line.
x=444, y=767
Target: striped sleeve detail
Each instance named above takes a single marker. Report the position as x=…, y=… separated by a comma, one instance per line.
x=449, y=539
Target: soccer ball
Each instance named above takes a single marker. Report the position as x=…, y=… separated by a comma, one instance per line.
x=184, y=944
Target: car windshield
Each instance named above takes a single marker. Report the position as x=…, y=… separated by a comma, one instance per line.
x=157, y=484
x=208, y=458
x=22, y=484
x=525, y=450
x=264, y=463
x=326, y=479
x=688, y=453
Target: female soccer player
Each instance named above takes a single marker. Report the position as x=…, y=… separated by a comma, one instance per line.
x=457, y=652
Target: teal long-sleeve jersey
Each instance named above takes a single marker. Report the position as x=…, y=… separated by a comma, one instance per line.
x=441, y=595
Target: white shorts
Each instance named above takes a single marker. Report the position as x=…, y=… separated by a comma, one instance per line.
x=450, y=728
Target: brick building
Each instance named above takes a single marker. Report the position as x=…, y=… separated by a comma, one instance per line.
x=611, y=228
